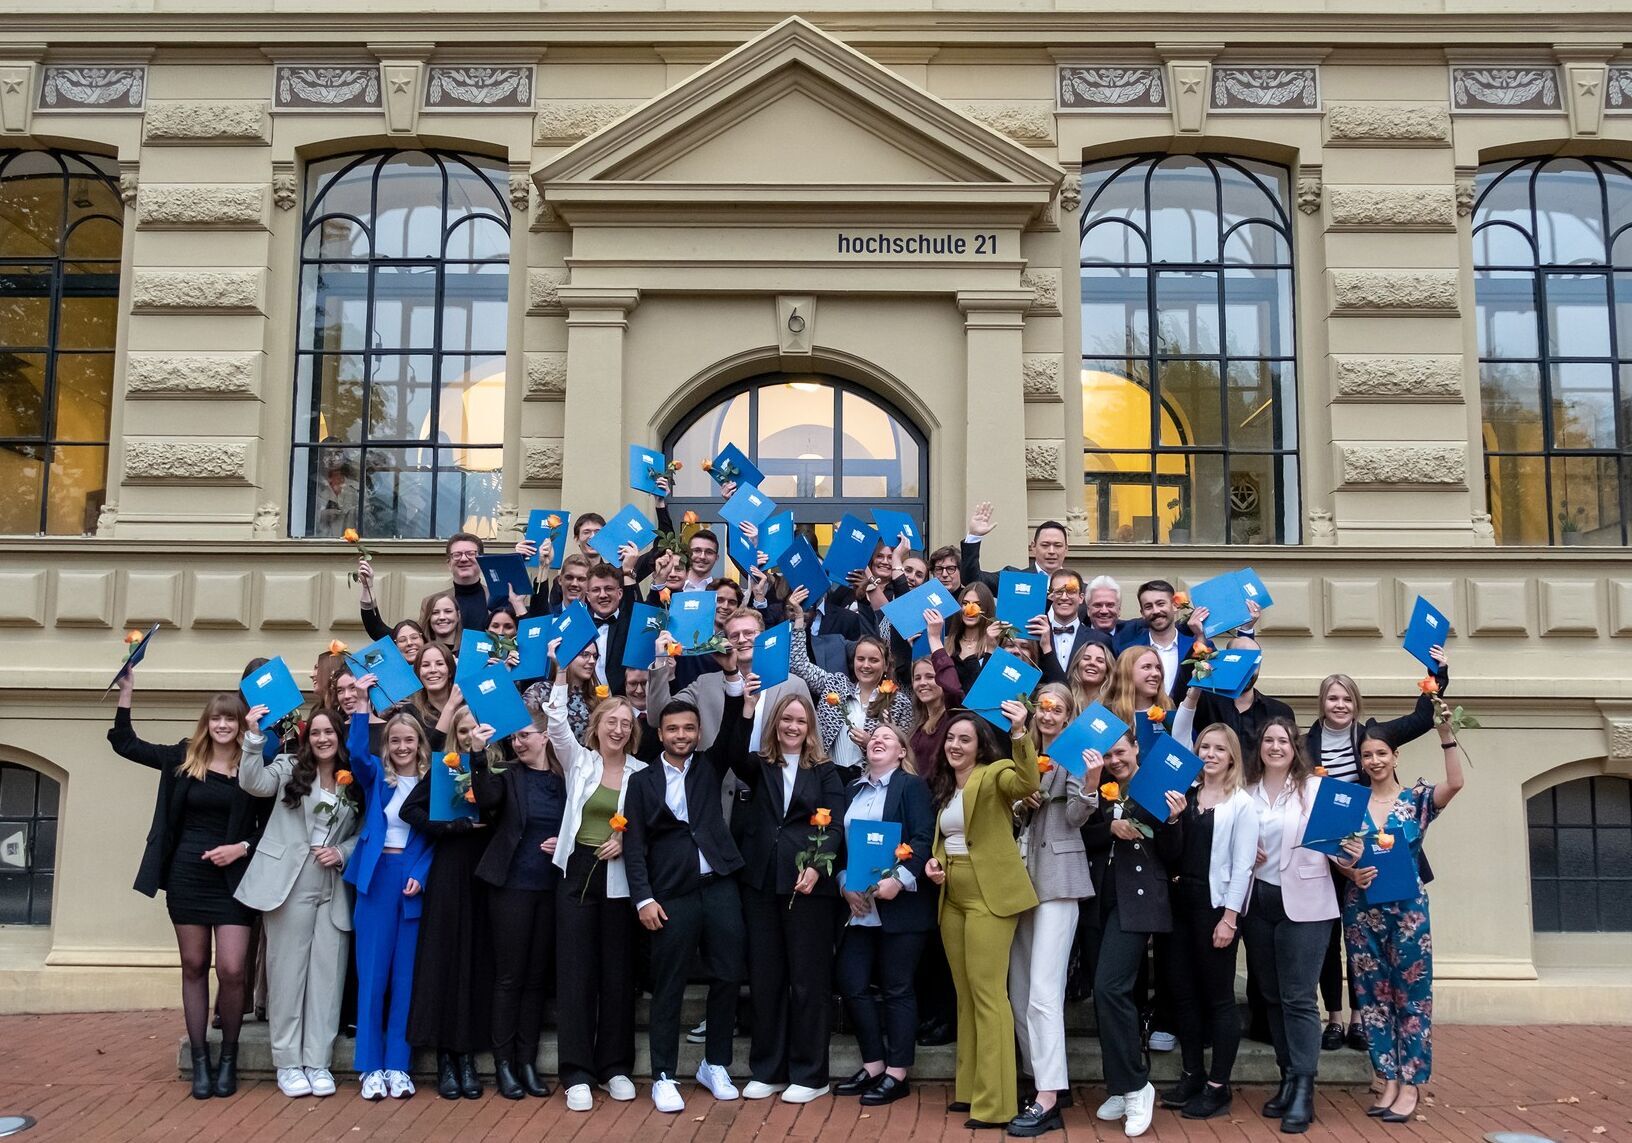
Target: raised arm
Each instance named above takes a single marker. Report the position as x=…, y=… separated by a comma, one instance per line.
x=819, y=681
x=363, y=762
x=125, y=742
x=1410, y=727
x=256, y=775
x=1454, y=779
x=1020, y=781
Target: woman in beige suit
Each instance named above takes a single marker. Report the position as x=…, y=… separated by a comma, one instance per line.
x=294, y=879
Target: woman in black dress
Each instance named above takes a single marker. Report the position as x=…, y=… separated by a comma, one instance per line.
x=204, y=829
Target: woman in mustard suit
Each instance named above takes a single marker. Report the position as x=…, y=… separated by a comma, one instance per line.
x=985, y=888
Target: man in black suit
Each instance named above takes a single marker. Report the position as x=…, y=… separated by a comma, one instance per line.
x=1046, y=550
x=1062, y=630
x=832, y=628
x=610, y=597
x=680, y=859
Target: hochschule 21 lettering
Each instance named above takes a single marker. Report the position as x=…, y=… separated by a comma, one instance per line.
x=944, y=244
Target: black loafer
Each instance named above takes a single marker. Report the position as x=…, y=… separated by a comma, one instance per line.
x=886, y=1090
x=863, y=1081
x=981, y=1124
x=1035, y=1120
x=1357, y=1038
x=957, y=1107
x=1181, y=1093
x=1332, y=1038
x=937, y=1035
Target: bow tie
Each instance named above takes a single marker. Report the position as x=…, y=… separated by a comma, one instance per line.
x=1064, y=630
x=605, y=620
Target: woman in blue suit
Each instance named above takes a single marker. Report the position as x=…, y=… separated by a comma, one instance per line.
x=388, y=869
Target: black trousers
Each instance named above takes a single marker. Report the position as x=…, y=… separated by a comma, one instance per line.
x=706, y=923
x=1286, y=957
x=523, y=922
x=936, y=994
x=595, y=989
x=1332, y=992
x=1202, y=984
x=886, y=1024
x=1121, y=1041
x=790, y=984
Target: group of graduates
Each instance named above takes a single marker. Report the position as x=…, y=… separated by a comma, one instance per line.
x=675, y=821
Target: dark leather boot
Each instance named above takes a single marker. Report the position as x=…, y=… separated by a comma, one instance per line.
x=1181, y=1093
x=447, y=1081
x=504, y=1078
x=203, y=1073
x=470, y=1083
x=1300, y=1110
x=226, y=1072
x=532, y=1083
x=1276, y=1106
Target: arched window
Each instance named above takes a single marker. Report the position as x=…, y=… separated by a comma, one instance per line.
x=61, y=240
x=399, y=374
x=28, y=844
x=1581, y=856
x=1189, y=385
x=1552, y=269
x=826, y=447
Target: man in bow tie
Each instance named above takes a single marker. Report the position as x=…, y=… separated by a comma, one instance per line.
x=1062, y=630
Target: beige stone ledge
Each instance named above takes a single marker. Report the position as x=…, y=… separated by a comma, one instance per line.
x=152, y=374
x=1435, y=377
x=547, y=376
x=1391, y=208
x=219, y=291
x=1387, y=124
x=162, y=460
x=1396, y=464
x=1393, y=293
x=188, y=122
x=197, y=206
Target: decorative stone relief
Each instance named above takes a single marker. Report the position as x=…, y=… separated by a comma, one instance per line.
x=1584, y=85
x=1309, y=191
x=1040, y=376
x=1618, y=91
x=174, y=205
x=541, y=463
x=1396, y=378
x=1505, y=89
x=508, y=88
x=107, y=520
x=198, y=461
x=1484, y=529
x=545, y=217
x=1464, y=197
x=1265, y=88
x=1188, y=79
x=1392, y=207
x=1322, y=529
x=1618, y=738
x=521, y=192
x=1405, y=464
x=1043, y=463
x=547, y=376
x=304, y=87
x=544, y=292
x=1028, y=123
x=569, y=120
x=65, y=87
x=1076, y=527
x=1425, y=293
x=200, y=291
x=129, y=186
x=16, y=83
x=1071, y=193
x=204, y=122
x=285, y=189
x=193, y=374
x=1111, y=89
x=268, y=522
x=1390, y=124
x=1046, y=286
x=401, y=95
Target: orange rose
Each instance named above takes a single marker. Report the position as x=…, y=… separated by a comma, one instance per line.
x=903, y=852
x=342, y=778
x=618, y=822
x=674, y=650
x=689, y=518
x=1048, y=703
x=336, y=647
x=1429, y=685
x=1385, y=841
x=1111, y=792
x=664, y=596
x=1181, y=599
x=886, y=687
x=1155, y=713
x=552, y=522
x=349, y=535
x=470, y=796
x=821, y=818
x=708, y=466
x=133, y=637
x=831, y=698
x=1044, y=764
x=602, y=690
x=452, y=761
x=1201, y=651
x=675, y=466
x=971, y=610
x=1320, y=771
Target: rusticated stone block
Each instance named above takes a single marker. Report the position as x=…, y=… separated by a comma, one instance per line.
x=290, y=601
x=193, y=374
x=22, y=598
x=569, y=120
x=1394, y=293
x=1388, y=124
x=200, y=461
x=1397, y=378
x=547, y=376
x=195, y=206
x=84, y=599
x=221, y=599
x=1404, y=464
x=1392, y=207
x=1029, y=123
x=544, y=291
x=198, y=291
x=541, y=463
x=1040, y=376
x=213, y=121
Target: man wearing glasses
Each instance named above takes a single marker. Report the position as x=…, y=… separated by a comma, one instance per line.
x=946, y=565
x=469, y=592
x=1062, y=629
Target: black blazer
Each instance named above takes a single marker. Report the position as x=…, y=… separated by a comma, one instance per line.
x=907, y=800
x=1049, y=663
x=1141, y=868
x=771, y=835
x=503, y=801
x=245, y=821
x=659, y=850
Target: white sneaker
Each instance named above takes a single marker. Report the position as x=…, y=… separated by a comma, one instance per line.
x=293, y=1083
x=717, y=1080
x=798, y=1093
x=1113, y=1109
x=620, y=1088
x=757, y=1090
x=699, y=1034
x=398, y=1085
x=1163, y=1041
x=373, y=1086
x=321, y=1079
x=1141, y=1107
x=666, y=1095
x=579, y=1097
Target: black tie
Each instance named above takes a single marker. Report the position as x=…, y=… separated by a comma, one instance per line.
x=604, y=620
x=1058, y=631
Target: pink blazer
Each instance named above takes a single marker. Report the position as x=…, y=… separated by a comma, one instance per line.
x=1307, y=892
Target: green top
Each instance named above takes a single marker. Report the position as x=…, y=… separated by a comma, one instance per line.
x=596, y=824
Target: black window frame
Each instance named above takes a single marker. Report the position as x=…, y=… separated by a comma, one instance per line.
x=40, y=810
x=1553, y=887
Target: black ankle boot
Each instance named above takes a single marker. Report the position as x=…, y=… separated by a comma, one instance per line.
x=203, y=1073
x=531, y=1083
x=1300, y=1110
x=1210, y=1102
x=226, y=1072
x=447, y=1081
x=504, y=1078
x=1276, y=1106
x=470, y=1084
x=1181, y=1093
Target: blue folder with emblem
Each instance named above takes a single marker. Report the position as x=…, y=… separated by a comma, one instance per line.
x=1094, y=729
x=1429, y=628
x=1229, y=671
x=771, y=656
x=906, y=612
x=1165, y=766
x=852, y=546
x=895, y=526
x=733, y=466
x=776, y=534
x=1004, y=677
x=869, y=849
x=691, y=618
x=475, y=649
x=494, y=700
x=645, y=466
x=748, y=505
x=448, y=801
x=533, y=645
x=575, y=627
x=1396, y=868
x=504, y=574
x=1021, y=597
x=1225, y=598
x=629, y=526
x=801, y=568
x=640, y=648
x=273, y=687
x=1338, y=811
x=539, y=530
x=134, y=659
x=394, y=675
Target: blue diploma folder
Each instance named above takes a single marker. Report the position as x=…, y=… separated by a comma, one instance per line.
x=629, y=526
x=475, y=648
x=1004, y=677
x=645, y=466
x=394, y=675
x=733, y=465
x=854, y=542
x=493, y=699
x=1396, y=867
x=776, y=534
x=691, y=618
x=1021, y=597
x=1165, y=766
x=504, y=574
x=801, y=568
x=1231, y=671
x=640, y=648
x=869, y=853
x=575, y=627
x=771, y=648
x=274, y=688
x=538, y=531
x=1094, y=729
x=533, y=643
x=134, y=658
x=742, y=553
x=906, y=613
x=447, y=800
x=1225, y=598
x=893, y=525
x=1429, y=627
x=749, y=505
x=1339, y=810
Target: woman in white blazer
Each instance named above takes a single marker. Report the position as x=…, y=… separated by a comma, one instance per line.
x=595, y=993
x=294, y=879
x=1209, y=896
x=1293, y=904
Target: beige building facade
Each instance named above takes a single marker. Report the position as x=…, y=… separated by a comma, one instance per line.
x=1342, y=291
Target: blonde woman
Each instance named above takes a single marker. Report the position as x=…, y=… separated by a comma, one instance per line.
x=1137, y=695
x=1209, y=895
x=388, y=869
x=1088, y=674
x=436, y=668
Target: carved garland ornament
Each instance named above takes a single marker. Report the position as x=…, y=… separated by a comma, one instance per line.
x=1265, y=89
x=66, y=88
x=1128, y=88
x=1505, y=89
x=480, y=86
x=329, y=87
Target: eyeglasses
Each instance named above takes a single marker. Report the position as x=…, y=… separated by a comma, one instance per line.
x=941, y=568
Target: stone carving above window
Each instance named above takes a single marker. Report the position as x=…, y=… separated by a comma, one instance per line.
x=508, y=88
x=1505, y=90
x=313, y=88
x=1265, y=89
x=70, y=88
x=1618, y=96
x=1112, y=89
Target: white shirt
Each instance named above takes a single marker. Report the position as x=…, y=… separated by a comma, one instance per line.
x=790, y=775
x=323, y=822
x=1063, y=643
x=396, y=830
x=602, y=634
x=1271, y=835
x=1170, y=661
x=952, y=827
x=674, y=794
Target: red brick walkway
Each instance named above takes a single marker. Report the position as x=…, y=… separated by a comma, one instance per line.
x=100, y=1077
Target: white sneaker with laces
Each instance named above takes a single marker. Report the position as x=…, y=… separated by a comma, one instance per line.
x=1141, y=1107
x=620, y=1088
x=373, y=1086
x=1113, y=1109
x=798, y=1093
x=1163, y=1041
x=579, y=1097
x=321, y=1079
x=398, y=1085
x=699, y=1034
x=757, y=1090
x=717, y=1080
x=293, y=1083
x=666, y=1095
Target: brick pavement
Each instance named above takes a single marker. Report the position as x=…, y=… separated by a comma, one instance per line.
x=90, y=1078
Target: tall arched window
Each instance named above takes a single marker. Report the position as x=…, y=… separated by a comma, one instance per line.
x=1552, y=262
x=826, y=447
x=1189, y=386
x=29, y=804
x=61, y=240
x=1581, y=856
x=399, y=377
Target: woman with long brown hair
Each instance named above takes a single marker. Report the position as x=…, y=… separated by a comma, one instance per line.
x=849, y=705
x=1089, y=674
x=971, y=633
x=205, y=826
x=439, y=620
x=436, y=670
